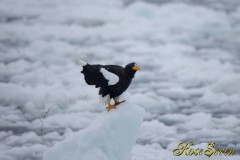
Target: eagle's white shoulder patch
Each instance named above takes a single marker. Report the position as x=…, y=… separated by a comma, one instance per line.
x=111, y=77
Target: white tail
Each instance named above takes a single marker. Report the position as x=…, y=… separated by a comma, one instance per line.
x=82, y=62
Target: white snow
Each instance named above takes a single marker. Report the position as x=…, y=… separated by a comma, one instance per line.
x=111, y=77
x=229, y=85
x=110, y=136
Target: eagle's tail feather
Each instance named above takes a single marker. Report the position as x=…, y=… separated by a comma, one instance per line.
x=82, y=62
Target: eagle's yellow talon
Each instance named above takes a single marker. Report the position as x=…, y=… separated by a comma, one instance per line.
x=117, y=103
x=110, y=106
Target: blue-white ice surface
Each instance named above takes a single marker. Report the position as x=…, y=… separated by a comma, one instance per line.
x=111, y=136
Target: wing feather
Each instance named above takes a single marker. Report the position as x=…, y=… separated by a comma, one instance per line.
x=100, y=75
x=111, y=77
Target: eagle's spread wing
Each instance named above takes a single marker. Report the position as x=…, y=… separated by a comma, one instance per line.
x=101, y=75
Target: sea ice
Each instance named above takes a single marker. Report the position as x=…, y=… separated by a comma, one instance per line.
x=111, y=136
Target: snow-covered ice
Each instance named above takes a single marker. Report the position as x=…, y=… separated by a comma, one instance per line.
x=111, y=136
x=188, y=51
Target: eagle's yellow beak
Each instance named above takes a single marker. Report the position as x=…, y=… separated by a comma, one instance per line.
x=136, y=67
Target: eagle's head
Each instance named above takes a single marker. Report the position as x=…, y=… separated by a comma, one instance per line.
x=131, y=69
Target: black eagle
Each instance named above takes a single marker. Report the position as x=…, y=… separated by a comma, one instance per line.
x=112, y=80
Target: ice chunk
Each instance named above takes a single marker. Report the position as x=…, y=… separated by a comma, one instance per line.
x=228, y=84
x=110, y=136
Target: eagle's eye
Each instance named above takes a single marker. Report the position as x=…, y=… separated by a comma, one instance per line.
x=135, y=67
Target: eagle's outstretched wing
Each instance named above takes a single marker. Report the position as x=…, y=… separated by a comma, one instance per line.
x=101, y=75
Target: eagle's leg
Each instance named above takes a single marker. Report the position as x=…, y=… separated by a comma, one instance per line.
x=107, y=101
x=116, y=100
